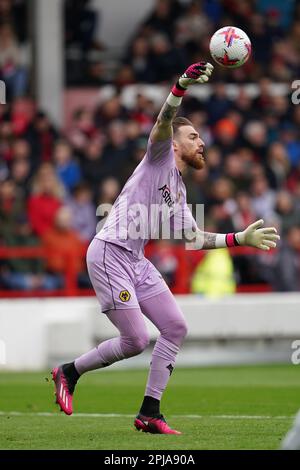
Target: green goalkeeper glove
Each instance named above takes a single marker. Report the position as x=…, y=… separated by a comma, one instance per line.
x=263, y=238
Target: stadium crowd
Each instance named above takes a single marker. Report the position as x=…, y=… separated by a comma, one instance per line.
x=176, y=33
x=52, y=180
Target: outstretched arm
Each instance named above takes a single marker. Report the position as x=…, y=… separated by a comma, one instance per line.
x=196, y=73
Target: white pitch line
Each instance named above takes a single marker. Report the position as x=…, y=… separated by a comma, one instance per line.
x=121, y=415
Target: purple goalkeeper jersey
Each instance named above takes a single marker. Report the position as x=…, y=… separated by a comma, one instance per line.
x=152, y=203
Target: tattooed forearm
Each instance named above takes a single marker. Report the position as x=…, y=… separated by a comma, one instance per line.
x=163, y=126
x=167, y=113
x=209, y=240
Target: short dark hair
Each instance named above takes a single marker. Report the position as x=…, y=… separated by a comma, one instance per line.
x=179, y=122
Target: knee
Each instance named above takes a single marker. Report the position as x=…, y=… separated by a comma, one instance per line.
x=140, y=343
x=176, y=332
x=134, y=345
x=180, y=330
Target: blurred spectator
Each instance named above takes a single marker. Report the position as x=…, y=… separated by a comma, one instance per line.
x=285, y=208
x=240, y=12
x=282, y=12
x=11, y=209
x=221, y=204
x=133, y=131
x=109, y=111
x=21, y=150
x=138, y=58
x=47, y=195
x=6, y=13
x=21, y=173
x=91, y=164
x=83, y=129
x=221, y=190
x=26, y=273
x=214, y=160
x=218, y=104
x=3, y=171
x=199, y=120
x=244, y=105
x=243, y=215
x=290, y=139
x=226, y=132
x=63, y=245
x=286, y=272
x=280, y=108
x=277, y=165
x=22, y=112
x=255, y=135
x=192, y=26
x=214, y=276
x=192, y=32
x=245, y=266
x=138, y=152
x=116, y=153
x=109, y=191
x=264, y=99
x=161, y=19
x=143, y=113
x=124, y=76
x=12, y=71
x=81, y=22
x=260, y=39
x=41, y=136
x=15, y=13
x=96, y=73
x=236, y=171
x=165, y=60
x=198, y=186
x=83, y=212
x=263, y=198
x=67, y=168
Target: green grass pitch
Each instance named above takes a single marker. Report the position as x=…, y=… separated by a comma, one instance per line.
x=242, y=407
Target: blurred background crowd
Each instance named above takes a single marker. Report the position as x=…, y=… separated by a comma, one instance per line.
x=53, y=179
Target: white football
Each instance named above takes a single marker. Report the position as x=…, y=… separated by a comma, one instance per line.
x=230, y=47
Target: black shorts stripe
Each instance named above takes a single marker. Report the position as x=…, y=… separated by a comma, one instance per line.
x=112, y=295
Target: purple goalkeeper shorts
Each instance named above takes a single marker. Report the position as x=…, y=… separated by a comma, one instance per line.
x=119, y=278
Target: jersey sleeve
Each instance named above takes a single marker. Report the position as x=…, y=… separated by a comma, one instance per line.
x=160, y=152
x=184, y=220
x=186, y=228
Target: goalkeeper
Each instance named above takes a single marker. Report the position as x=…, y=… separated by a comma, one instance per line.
x=127, y=285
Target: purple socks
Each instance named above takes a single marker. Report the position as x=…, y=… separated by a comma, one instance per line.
x=163, y=311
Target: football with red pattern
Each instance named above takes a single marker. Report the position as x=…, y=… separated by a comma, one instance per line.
x=230, y=47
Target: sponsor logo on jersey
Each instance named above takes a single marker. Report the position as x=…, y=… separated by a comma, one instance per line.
x=167, y=196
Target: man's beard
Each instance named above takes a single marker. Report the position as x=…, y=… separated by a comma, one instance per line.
x=194, y=161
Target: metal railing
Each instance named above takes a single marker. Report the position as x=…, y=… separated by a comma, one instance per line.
x=187, y=261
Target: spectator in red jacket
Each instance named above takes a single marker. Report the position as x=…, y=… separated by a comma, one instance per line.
x=64, y=245
x=46, y=198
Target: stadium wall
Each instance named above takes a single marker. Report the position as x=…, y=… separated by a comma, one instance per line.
x=37, y=333
x=120, y=15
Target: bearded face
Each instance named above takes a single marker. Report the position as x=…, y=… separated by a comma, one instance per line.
x=189, y=147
